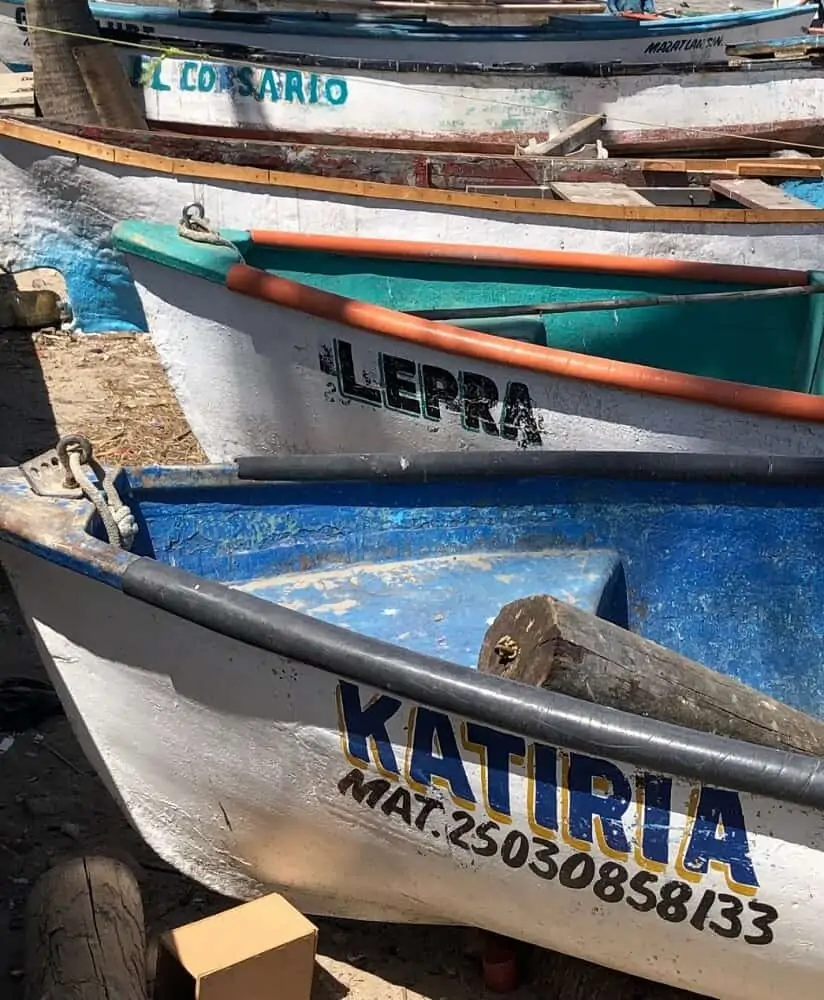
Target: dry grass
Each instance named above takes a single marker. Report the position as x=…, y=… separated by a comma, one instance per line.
x=112, y=389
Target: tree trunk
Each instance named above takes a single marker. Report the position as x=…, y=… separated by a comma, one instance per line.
x=84, y=933
x=65, y=88
x=553, y=645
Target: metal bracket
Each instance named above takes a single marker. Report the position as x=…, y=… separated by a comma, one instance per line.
x=47, y=477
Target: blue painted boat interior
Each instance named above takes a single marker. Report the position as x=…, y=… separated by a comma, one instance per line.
x=727, y=574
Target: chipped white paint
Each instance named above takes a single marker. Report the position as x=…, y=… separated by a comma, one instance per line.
x=58, y=210
x=228, y=761
x=446, y=105
x=255, y=378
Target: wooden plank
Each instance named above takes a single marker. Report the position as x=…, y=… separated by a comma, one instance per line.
x=579, y=134
x=588, y=193
x=753, y=193
x=782, y=168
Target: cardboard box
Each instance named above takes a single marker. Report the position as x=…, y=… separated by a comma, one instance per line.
x=263, y=950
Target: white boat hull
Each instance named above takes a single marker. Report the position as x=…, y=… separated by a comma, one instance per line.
x=243, y=768
x=254, y=377
x=61, y=205
x=658, y=106
x=593, y=39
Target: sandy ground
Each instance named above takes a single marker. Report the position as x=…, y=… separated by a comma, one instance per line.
x=112, y=389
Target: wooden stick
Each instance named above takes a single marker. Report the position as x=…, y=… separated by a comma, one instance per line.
x=604, y=305
x=553, y=645
x=84, y=933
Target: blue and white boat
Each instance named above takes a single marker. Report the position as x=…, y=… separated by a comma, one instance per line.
x=270, y=664
x=615, y=36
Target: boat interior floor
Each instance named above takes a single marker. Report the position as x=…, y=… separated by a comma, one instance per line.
x=443, y=605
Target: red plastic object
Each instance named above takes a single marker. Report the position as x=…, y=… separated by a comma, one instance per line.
x=500, y=966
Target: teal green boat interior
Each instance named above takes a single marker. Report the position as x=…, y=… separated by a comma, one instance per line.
x=775, y=343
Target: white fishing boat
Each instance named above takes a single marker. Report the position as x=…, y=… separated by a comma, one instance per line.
x=64, y=190
x=276, y=706
x=672, y=87
x=277, y=344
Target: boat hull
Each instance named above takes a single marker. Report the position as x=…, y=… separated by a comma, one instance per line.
x=261, y=776
x=573, y=39
x=64, y=195
x=255, y=377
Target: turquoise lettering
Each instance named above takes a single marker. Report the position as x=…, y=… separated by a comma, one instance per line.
x=435, y=755
x=336, y=91
x=293, y=88
x=655, y=822
x=186, y=70
x=718, y=835
x=586, y=805
x=314, y=81
x=268, y=86
x=496, y=750
x=206, y=78
x=157, y=83
x=362, y=725
x=246, y=81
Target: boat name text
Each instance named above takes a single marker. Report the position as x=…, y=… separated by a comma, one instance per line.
x=419, y=390
x=268, y=84
x=686, y=44
x=576, y=806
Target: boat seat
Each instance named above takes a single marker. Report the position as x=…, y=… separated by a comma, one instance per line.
x=443, y=605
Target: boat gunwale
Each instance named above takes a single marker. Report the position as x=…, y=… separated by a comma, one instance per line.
x=59, y=142
x=534, y=359
x=552, y=718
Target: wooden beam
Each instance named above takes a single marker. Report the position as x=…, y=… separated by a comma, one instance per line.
x=602, y=193
x=550, y=644
x=753, y=193
x=586, y=130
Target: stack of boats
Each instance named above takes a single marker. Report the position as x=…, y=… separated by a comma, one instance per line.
x=517, y=308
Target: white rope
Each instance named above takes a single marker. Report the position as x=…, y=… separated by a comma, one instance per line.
x=118, y=520
x=195, y=226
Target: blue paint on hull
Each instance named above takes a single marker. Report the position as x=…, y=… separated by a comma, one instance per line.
x=727, y=574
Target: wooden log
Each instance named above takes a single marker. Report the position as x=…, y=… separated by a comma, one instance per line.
x=84, y=933
x=114, y=100
x=550, y=644
x=61, y=87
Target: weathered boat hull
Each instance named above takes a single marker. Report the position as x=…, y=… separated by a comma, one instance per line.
x=252, y=761
x=275, y=377
x=64, y=193
x=461, y=101
x=585, y=38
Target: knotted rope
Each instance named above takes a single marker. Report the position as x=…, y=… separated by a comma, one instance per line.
x=75, y=451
